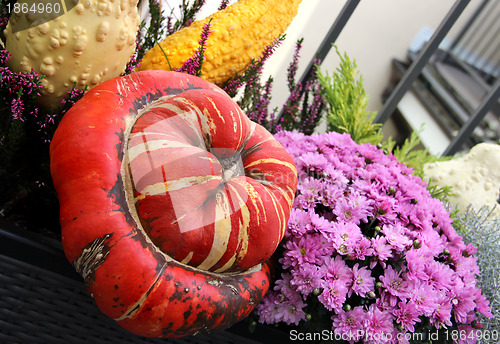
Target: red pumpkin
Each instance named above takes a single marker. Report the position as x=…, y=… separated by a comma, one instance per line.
x=172, y=202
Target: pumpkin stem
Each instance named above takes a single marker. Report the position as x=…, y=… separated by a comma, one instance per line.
x=232, y=167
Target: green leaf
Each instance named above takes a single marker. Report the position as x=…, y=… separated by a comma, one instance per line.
x=347, y=102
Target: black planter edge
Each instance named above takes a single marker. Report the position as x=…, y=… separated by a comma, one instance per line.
x=47, y=253
x=35, y=249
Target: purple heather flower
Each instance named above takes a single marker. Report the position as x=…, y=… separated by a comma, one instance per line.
x=193, y=64
x=17, y=109
x=294, y=66
x=223, y=5
x=4, y=57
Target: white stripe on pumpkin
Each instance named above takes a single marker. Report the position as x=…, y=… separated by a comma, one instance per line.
x=188, y=258
x=244, y=224
x=163, y=187
x=254, y=196
x=150, y=146
x=222, y=232
x=271, y=161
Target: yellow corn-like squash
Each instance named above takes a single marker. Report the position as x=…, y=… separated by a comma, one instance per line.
x=239, y=33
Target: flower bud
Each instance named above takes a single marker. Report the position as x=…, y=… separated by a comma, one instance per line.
x=476, y=325
x=417, y=244
x=371, y=295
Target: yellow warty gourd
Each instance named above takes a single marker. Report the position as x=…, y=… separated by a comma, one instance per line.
x=239, y=33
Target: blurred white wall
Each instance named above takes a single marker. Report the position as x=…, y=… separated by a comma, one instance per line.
x=377, y=32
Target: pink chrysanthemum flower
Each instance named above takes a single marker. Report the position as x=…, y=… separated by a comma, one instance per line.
x=362, y=281
x=349, y=325
x=407, y=315
x=396, y=286
x=424, y=297
x=337, y=270
x=299, y=223
x=334, y=295
x=378, y=326
x=307, y=278
x=367, y=244
x=300, y=251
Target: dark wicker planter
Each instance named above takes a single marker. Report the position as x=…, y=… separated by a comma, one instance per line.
x=43, y=300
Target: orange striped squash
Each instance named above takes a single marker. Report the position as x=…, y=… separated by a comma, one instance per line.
x=171, y=202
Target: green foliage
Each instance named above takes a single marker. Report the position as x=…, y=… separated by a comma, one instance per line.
x=409, y=155
x=347, y=101
x=482, y=229
x=416, y=158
